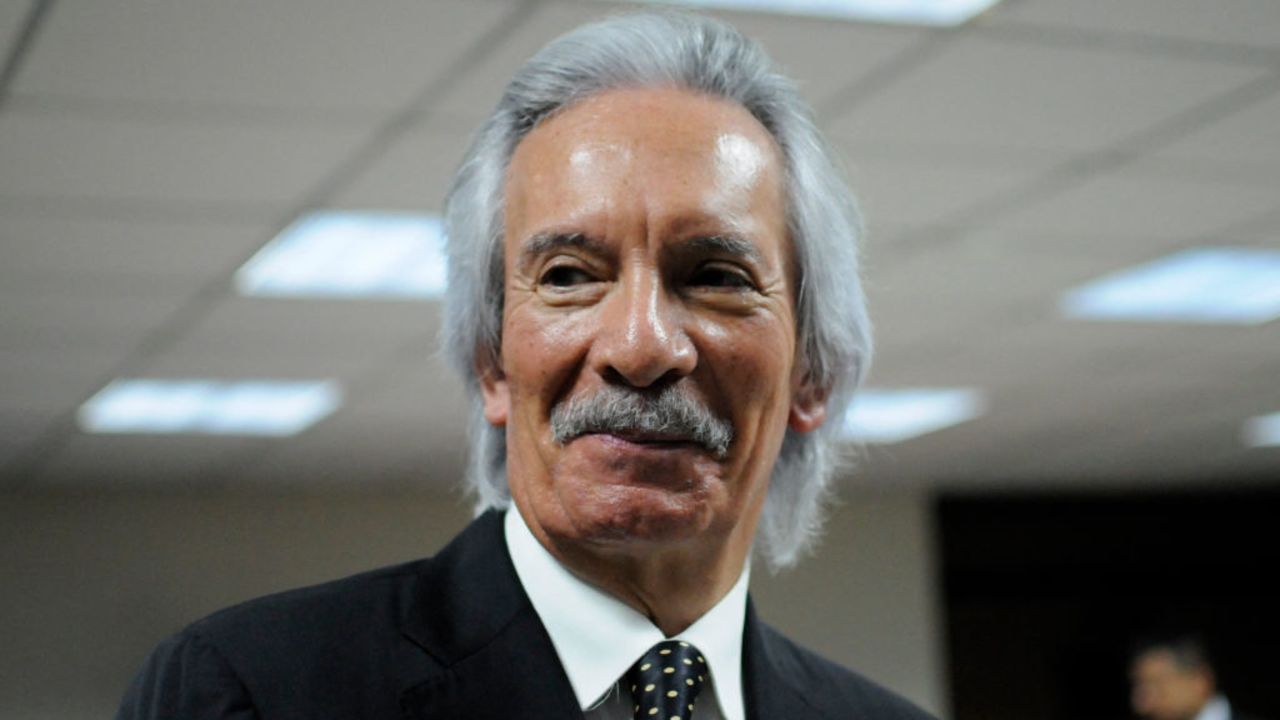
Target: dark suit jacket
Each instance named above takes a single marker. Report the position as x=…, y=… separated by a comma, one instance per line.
x=1235, y=715
x=453, y=636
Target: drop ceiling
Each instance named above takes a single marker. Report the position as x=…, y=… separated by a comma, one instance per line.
x=148, y=149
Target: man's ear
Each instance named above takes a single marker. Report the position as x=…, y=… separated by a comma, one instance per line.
x=494, y=390
x=808, y=404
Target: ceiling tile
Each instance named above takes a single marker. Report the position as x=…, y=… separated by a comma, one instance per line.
x=79, y=157
x=479, y=87
x=1246, y=22
x=186, y=461
x=915, y=191
x=1262, y=232
x=922, y=192
x=1172, y=428
x=1248, y=137
x=421, y=380
x=955, y=322
x=362, y=449
x=62, y=343
x=321, y=357
x=81, y=318
x=259, y=337
x=1087, y=255
x=807, y=49
x=100, y=252
x=958, y=317
x=19, y=428
x=12, y=16
x=412, y=173
x=78, y=297
x=968, y=278
x=1255, y=467
x=303, y=55
x=1260, y=172
x=1137, y=203
x=140, y=162
x=50, y=383
x=993, y=94
x=804, y=47
x=1083, y=361
x=928, y=151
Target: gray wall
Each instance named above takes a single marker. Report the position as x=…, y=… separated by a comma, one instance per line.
x=91, y=580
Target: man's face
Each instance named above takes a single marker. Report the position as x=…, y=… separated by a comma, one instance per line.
x=646, y=252
x=1164, y=691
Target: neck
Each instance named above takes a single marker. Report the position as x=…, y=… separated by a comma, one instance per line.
x=672, y=586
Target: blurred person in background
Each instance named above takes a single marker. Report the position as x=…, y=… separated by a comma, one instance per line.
x=1172, y=679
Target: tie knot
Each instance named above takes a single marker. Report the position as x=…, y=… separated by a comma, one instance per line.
x=665, y=682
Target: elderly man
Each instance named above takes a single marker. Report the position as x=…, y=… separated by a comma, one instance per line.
x=654, y=298
x=1172, y=679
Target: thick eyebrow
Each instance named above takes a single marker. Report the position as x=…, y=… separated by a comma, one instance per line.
x=731, y=245
x=542, y=243
x=723, y=244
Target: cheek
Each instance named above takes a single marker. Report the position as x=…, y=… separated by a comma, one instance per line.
x=752, y=364
x=761, y=349
x=540, y=354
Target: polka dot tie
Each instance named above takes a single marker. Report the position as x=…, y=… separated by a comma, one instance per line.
x=666, y=681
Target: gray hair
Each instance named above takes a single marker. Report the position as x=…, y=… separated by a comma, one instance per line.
x=672, y=49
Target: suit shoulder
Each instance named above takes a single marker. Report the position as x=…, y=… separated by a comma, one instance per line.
x=366, y=598
x=836, y=691
x=332, y=649
x=342, y=629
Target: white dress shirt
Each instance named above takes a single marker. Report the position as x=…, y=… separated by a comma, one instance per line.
x=598, y=637
x=1216, y=709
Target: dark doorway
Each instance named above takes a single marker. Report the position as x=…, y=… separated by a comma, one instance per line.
x=1044, y=595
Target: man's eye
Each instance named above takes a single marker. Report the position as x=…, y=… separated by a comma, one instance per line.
x=565, y=276
x=720, y=277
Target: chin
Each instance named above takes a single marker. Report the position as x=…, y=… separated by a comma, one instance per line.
x=625, y=513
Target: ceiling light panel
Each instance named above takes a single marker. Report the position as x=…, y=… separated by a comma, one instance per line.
x=883, y=416
x=1238, y=286
x=209, y=407
x=351, y=255
x=908, y=12
x=1262, y=431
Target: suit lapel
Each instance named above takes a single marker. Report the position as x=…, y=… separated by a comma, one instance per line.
x=770, y=682
x=470, y=614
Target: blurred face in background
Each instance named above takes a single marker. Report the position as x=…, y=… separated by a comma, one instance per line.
x=1164, y=690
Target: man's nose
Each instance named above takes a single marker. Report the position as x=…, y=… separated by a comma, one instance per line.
x=642, y=339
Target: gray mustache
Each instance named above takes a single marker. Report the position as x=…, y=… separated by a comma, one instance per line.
x=667, y=412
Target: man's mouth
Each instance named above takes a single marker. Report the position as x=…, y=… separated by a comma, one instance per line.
x=649, y=438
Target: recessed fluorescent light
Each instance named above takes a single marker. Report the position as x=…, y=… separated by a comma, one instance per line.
x=884, y=416
x=351, y=254
x=1213, y=285
x=914, y=12
x=1263, y=431
x=209, y=407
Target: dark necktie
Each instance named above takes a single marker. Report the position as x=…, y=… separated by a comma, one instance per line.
x=666, y=681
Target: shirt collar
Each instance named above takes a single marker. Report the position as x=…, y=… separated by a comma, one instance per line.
x=598, y=637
